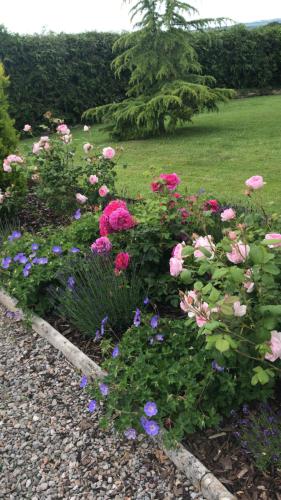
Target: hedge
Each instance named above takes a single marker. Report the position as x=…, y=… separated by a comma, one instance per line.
x=69, y=73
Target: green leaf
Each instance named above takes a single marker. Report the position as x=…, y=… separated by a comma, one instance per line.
x=219, y=273
x=222, y=344
x=186, y=276
x=257, y=254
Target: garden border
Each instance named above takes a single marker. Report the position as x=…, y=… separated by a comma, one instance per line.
x=195, y=471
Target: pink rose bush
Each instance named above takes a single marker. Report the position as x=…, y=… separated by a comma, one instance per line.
x=63, y=129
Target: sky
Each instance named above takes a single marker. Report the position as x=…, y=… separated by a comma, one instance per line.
x=74, y=16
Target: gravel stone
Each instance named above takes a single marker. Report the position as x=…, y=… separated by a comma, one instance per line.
x=51, y=447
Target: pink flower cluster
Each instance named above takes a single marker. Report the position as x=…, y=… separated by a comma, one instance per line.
x=43, y=144
x=116, y=217
x=170, y=181
x=63, y=129
x=101, y=245
x=191, y=304
x=176, y=261
x=275, y=346
x=10, y=160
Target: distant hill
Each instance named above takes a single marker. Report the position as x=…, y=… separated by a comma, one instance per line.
x=259, y=24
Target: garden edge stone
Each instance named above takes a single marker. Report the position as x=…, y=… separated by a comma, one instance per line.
x=186, y=462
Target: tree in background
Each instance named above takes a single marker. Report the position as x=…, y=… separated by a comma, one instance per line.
x=8, y=135
x=166, y=85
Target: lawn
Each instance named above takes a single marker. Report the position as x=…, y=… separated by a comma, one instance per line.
x=218, y=151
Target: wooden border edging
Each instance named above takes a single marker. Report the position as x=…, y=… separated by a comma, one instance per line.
x=195, y=471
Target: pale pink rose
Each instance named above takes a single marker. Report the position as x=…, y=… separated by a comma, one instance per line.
x=239, y=253
x=46, y=146
x=87, y=147
x=275, y=346
x=232, y=235
x=228, y=214
x=204, y=242
x=203, y=316
x=175, y=266
x=93, y=179
x=273, y=236
x=81, y=198
x=103, y=191
x=249, y=285
x=63, y=129
x=7, y=167
x=36, y=148
x=187, y=301
x=255, y=182
x=67, y=138
x=27, y=128
x=43, y=140
x=177, y=250
x=14, y=159
x=239, y=309
x=86, y=128
x=108, y=153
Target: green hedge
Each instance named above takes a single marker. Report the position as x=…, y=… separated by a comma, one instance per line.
x=68, y=74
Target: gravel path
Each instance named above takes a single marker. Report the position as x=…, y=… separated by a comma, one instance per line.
x=52, y=448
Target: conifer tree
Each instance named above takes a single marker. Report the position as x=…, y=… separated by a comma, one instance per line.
x=166, y=86
x=8, y=135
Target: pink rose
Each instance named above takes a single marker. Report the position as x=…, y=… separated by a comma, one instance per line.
x=67, y=138
x=63, y=129
x=175, y=266
x=275, y=346
x=101, y=245
x=87, y=147
x=177, y=250
x=14, y=159
x=103, y=191
x=121, y=220
x=171, y=180
x=43, y=140
x=27, y=128
x=122, y=261
x=212, y=205
x=108, y=153
x=204, y=242
x=232, y=235
x=7, y=167
x=86, y=128
x=203, y=316
x=81, y=198
x=273, y=236
x=93, y=179
x=36, y=148
x=228, y=214
x=255, y=182
x=239, y=309
x=239, y=253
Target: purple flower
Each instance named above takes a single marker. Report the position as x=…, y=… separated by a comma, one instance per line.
x=130, y=433
x=34, y=247
x=115, y=352
x=18, y=256
x=57, y=250
x=137, y=318
x=43, y=260
x=217, y=367
x=159, y=337
x=26, y=270
x=70, y=283
x=35, y=260
x=151, y=428
x=150, y=409
x=6, y=261
x=92, y=405
x=10, y=314
x=104, y=389
x=143, y=421
x=77, y=214
x=154, y=321
x=146, y=301
x=23, y=259
x=83, y=382
x=14, y=236
x=98, y=335
x=74, y=250
x=103, y=323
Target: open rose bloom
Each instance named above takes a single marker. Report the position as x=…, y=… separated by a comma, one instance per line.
x=255, y=182
x=239, y=252
x=204, y=242
x=275, y=346
x=273, y=236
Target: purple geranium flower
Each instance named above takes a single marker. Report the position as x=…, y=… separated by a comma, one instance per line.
x=70, y=283
x=23, y=259
x=6, y=261
x=77, y=214
x=137, y=318
x=43, y=260
x=104, y=389
x=57, y=250
x=98, y=335
x=83, y=382
x=150, y=409
x=92, y=405
x=146, y=301
x=143, y=421
x=159, y=337
x=103, y=323
x=154, y=321
x=74, y=250
x=18, y=256
x=26, y=270
x=130, y=433
x=115, y=352
x=14, y=236
x=34, y=247
x=217, y=367
x=151, y=428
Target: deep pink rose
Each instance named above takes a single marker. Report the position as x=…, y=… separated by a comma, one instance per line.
x=273, y=236
x=255, y=182
x=113, y=205
x=104, y=225
x=122, y=261
x=156, y=187
x=228, y=214
x=101, y=245
x=121, y=219
x=239, y=253
x=275, y=346
x=171, y=180
x=212, y=205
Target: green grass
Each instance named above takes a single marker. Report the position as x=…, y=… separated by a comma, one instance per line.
x=218, y=151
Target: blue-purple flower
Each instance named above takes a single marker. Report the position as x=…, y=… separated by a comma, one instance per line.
x=137, y=318
x=159, y=337
x=115, y=352
x=98, y=335
x=154, y=321
x=150, y=409
x=217, y=367
x=83, y=382
x=6, y=261
x=43, y=260
x=103, y=323
x=34, y=247
x=151, y=427
x=104, y=389
x=74, y=250
x=146, y=301
x=77, y=214
x=130, y=433
x=14, y=236
x=70, y=283
x=92, y=405
x=26, y=270
x=23, y=259
x=57, y=250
